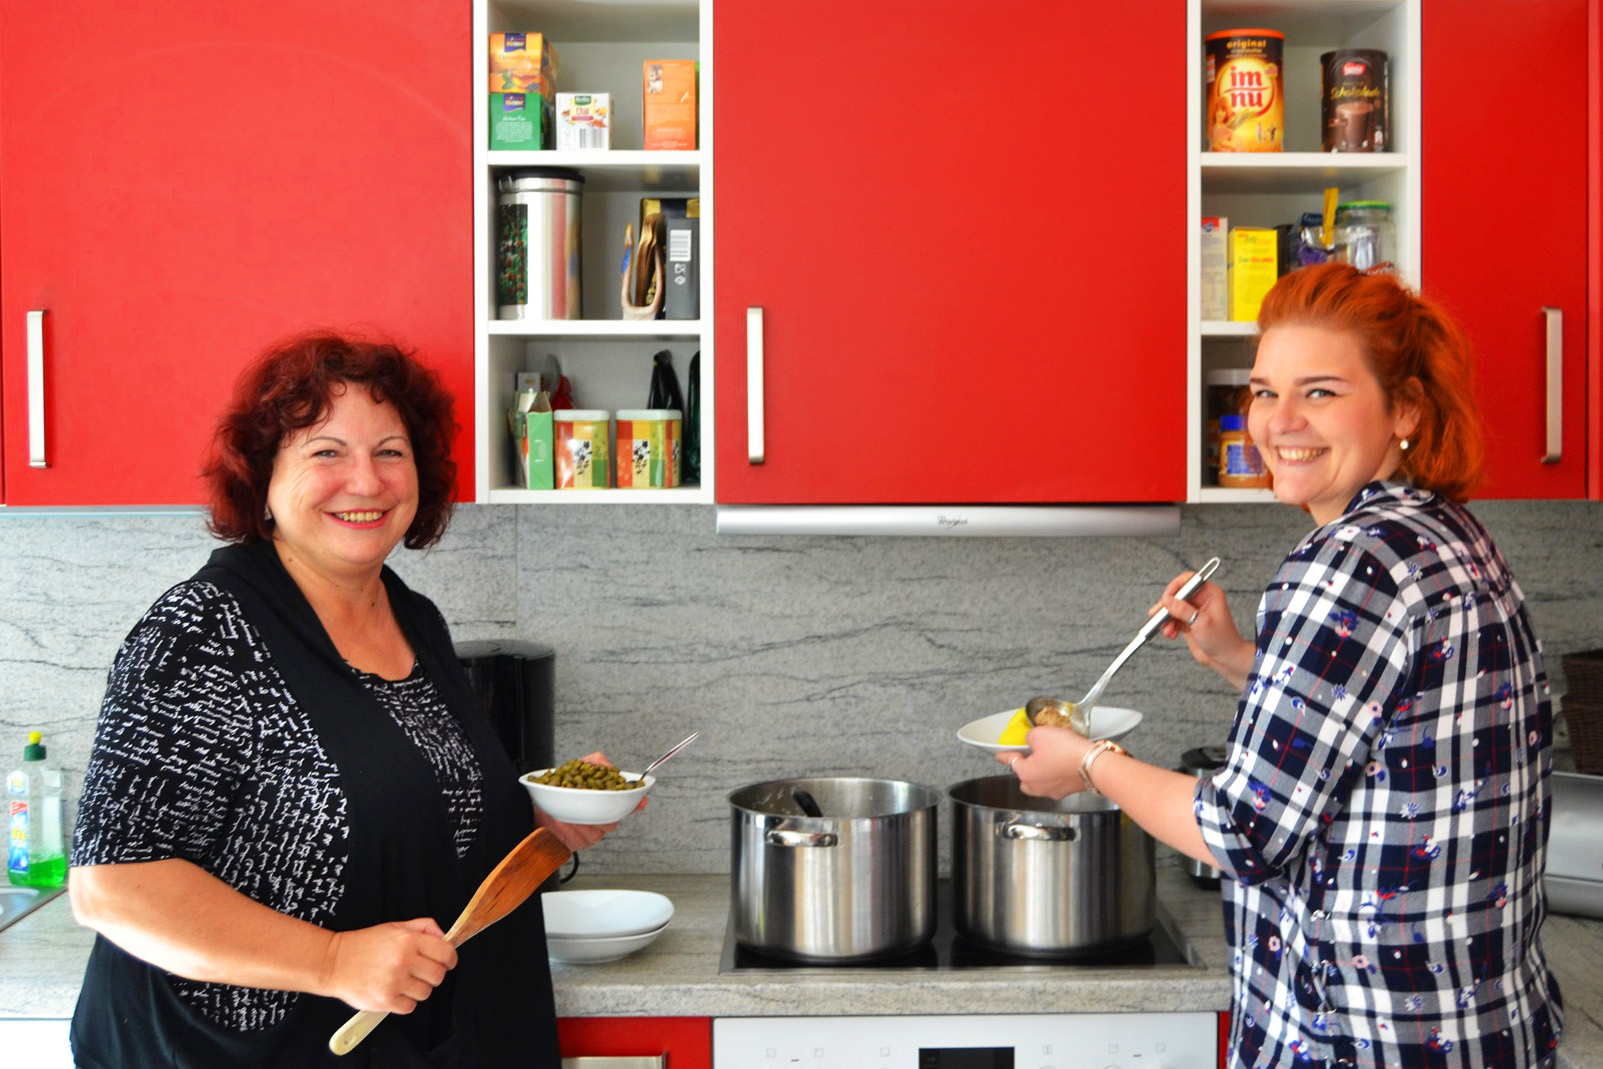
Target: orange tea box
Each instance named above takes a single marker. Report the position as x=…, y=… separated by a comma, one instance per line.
x=669, y=94
x=523, y=63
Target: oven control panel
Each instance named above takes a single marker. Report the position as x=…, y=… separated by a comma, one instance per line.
x=986, y=1041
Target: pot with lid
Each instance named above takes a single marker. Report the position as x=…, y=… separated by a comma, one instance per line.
x=855, y=882
x=1048, y=878
x=1202, y=762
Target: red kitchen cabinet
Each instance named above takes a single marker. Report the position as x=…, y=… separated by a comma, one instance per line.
x=183, y=183
x=1506, y=221
x=687, y=1041
x=964, y=227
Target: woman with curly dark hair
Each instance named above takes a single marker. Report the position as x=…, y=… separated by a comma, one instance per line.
x=292, y=783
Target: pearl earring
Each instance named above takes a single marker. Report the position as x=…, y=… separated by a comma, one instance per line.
x=1403, y=445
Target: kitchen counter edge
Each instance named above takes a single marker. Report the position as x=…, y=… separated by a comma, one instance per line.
x=677, y=976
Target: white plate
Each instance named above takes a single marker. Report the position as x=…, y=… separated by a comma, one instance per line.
x=1107, y=722
x=603, y=913
x=593, y=950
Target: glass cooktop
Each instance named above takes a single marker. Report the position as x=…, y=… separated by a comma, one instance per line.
x=949, y=950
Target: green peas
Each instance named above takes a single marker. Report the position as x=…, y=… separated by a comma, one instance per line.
x=585, y=776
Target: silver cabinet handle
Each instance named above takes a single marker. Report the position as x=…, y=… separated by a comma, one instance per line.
x=1555, y=385
x=594, y=1061
x=36, y=389
x=754, y=385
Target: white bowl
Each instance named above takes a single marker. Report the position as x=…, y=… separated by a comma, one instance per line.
x=580, y=805
x=594, y=949
x=581, y=914
x=1107, y=722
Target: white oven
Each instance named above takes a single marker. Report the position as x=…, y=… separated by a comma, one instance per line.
x=987, y=1041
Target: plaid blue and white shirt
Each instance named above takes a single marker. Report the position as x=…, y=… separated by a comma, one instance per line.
x=1385, y=803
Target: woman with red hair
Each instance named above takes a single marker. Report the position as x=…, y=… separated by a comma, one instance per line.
x=292, y=782
x=1382, y=815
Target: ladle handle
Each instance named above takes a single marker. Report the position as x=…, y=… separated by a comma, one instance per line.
x=1146, y=632
x=1186, y=590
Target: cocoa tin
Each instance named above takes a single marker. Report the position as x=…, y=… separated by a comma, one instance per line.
x=1246, y=105
x=1355, y=102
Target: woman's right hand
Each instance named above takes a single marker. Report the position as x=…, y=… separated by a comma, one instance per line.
x=389, y=968
x=1209, y=630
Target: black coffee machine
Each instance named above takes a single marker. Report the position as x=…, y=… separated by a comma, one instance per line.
x=516, y=681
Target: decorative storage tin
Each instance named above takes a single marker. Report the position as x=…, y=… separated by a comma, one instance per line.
x=1246, y=106
x=581, y=449
x=648, y=448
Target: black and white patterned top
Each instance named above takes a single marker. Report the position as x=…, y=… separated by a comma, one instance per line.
x=203, y=754
x=1384, y=803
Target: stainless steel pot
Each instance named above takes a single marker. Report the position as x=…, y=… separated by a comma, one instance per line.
x=857, y=882
x=1045, y=878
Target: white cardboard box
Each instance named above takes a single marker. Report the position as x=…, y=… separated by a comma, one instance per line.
x=584, y=120
x=1215, y=264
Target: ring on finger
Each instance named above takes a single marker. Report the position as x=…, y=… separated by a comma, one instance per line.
x=1192, y=622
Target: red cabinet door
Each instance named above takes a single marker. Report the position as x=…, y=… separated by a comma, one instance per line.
x=183, y=183
x=687, y=1041
x=964, y=225
x=1505, y=221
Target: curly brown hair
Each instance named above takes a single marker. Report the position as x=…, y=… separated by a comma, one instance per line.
x=1416, y=351
x=288, y=388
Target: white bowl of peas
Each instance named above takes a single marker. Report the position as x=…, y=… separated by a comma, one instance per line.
x=579, y=792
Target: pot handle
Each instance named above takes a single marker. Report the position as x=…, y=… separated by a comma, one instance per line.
x=781, y=837
x=1036, y=832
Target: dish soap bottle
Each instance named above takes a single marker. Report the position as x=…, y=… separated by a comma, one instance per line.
x=36, y=854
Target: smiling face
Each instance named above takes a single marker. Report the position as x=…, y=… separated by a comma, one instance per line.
x=344, y=491
x=1321, y=419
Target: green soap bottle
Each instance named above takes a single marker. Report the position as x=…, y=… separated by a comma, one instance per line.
x=36, y=854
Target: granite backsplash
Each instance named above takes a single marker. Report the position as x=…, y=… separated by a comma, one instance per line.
x=793, y=655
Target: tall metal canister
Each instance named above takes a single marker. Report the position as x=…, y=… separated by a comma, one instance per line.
x=537, y=261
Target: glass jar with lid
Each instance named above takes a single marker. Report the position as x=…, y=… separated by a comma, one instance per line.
x=1365, y=235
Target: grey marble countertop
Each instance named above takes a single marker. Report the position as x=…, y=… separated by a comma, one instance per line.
x=42, y=959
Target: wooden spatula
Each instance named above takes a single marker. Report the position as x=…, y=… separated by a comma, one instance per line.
x=503, y=890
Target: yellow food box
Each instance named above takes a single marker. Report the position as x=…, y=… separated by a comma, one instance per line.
x=523, y=63
x=1254, y=266
x=669, y=99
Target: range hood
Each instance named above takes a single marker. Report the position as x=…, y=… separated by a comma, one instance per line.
x=951, y=521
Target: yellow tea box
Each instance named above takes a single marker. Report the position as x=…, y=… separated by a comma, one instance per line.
x=669, y=97
x=523, y=63
x=1215, y=246
x=1254, y=266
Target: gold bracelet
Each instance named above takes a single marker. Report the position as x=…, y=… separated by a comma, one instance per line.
x=1096, y=751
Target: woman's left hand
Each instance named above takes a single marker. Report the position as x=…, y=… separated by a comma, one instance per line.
x=577, y=837
x=1052, y=767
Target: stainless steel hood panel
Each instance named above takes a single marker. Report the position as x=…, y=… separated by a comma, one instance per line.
x=963, y=521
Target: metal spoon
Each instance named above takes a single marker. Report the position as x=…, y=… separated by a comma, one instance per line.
x=677, y=747
x=1080, y=712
